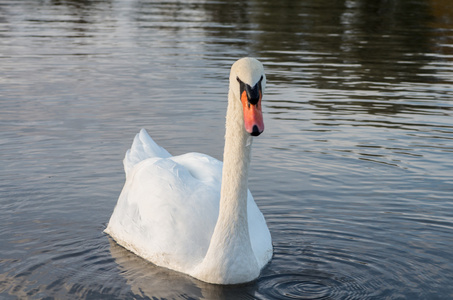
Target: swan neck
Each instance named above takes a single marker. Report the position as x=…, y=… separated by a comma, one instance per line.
x=230, y=258
x=236, y=162
x=232, y=221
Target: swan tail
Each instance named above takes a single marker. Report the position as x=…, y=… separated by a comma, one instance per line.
x=142, y=148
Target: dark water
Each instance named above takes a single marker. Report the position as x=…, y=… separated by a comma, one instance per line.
x=354, y=172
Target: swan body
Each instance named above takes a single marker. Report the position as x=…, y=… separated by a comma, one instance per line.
x=192, y=213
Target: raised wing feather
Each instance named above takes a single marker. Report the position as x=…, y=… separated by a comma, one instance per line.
x=142, y=148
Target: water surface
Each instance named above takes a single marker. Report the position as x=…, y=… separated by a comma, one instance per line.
x=354, y=172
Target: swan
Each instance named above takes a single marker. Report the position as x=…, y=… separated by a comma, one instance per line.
x=192, y=213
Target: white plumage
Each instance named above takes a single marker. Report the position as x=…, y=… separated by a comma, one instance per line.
x=168, y=210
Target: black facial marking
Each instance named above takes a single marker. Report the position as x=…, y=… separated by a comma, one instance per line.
x=253, y=93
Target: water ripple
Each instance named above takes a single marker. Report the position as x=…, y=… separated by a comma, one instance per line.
x=310, y=285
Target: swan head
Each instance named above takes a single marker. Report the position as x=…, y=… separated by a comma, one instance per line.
x=247, y=83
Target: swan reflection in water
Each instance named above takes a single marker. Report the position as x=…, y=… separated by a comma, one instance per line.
x=150, y=281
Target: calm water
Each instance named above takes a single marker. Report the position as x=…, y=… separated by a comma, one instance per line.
x=354, y=172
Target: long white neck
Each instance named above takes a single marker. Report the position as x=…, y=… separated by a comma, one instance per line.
x=236, y=161
x=230, y=258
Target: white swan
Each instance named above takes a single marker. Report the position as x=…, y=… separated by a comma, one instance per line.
x=189, y=214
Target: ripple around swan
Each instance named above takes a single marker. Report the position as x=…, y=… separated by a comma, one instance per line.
x=310, y=285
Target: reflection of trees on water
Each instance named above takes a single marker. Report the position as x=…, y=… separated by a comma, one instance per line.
x=346, y=45
x=322, y=44
x=367, y=41
x=442, y=25
x=331, y=41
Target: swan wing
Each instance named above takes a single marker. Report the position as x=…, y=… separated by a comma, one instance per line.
x=168, y=208
x=142, y=148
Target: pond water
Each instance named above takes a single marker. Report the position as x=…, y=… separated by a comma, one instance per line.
x=354, y=172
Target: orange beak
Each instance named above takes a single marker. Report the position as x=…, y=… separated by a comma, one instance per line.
x=253, y=115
